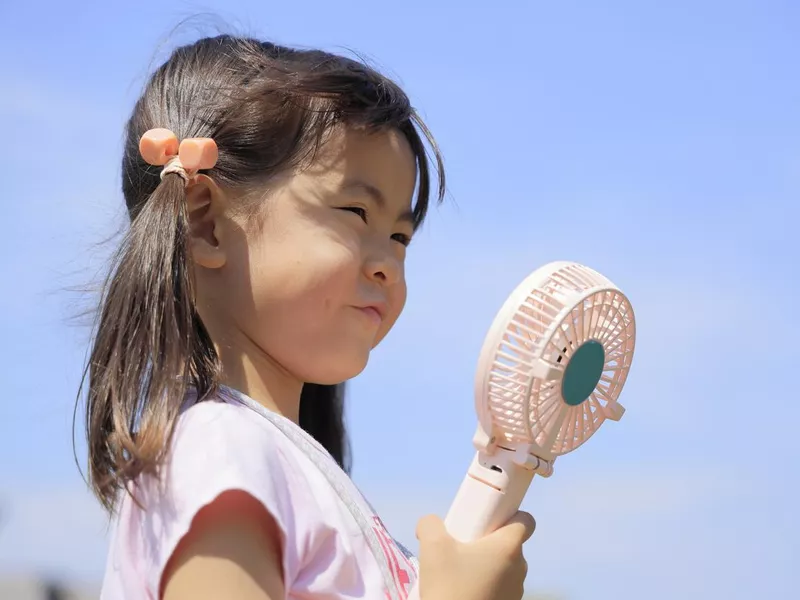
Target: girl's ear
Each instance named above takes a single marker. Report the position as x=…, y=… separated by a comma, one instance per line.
x=204, y=205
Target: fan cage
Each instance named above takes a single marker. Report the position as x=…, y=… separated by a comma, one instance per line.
x=574, y=304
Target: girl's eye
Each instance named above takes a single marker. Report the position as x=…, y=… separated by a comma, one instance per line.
x=402, y=238
x=361, y=212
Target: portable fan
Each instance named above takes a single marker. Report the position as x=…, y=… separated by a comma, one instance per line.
x=549, y=374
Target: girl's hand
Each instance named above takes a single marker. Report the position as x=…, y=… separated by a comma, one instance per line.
x=492, y=568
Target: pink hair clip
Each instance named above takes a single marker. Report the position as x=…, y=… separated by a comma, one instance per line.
x=160, y=147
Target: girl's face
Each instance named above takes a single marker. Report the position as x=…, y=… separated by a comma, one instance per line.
x=317, y=279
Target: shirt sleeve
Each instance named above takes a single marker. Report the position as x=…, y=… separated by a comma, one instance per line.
x=217, y=447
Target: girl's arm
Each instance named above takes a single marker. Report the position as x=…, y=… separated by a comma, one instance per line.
x=232, y=550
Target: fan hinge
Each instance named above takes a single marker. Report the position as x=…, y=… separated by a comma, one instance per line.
x=524, y=457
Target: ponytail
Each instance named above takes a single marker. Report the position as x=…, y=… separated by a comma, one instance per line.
x=150, y=346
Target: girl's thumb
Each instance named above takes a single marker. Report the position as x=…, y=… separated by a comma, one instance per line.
x=519, y=528
x=430, y=527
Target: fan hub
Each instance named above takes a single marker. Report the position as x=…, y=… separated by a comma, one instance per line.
x=583, y=372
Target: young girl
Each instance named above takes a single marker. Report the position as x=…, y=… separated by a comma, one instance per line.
x=271, y=194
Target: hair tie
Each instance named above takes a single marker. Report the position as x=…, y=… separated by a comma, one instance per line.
x=159, y=147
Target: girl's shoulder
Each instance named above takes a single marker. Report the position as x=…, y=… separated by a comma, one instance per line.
x=215, y=439
x=217, y=446
x=220, y=443
x=333, y=539
x=219, y=425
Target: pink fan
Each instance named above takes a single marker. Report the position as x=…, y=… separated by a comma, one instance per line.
x=550, y=372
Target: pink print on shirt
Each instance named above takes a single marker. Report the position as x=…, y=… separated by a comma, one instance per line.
x=399, y=565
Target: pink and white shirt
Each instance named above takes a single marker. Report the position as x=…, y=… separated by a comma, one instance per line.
x=336, y=546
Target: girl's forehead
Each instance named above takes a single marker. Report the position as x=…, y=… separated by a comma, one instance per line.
x=359, y=146
x=380, y=164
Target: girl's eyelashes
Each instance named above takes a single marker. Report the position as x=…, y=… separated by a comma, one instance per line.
x=401, y=238
x=359, y=210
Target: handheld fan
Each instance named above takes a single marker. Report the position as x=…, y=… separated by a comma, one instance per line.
x=549, y=375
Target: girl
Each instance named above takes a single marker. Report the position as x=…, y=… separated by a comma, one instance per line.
x=270, y=198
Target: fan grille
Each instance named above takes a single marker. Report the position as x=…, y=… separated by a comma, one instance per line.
x=528, y=409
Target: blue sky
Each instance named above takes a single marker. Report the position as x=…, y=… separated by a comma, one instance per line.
x=658, y=143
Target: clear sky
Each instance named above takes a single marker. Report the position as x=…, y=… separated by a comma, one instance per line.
x=658, y=142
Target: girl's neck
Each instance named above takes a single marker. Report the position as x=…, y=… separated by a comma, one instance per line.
x=248, y=369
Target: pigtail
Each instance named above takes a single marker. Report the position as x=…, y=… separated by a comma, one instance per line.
x=150, y=346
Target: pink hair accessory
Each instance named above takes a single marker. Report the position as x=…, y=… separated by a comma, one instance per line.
x=160, y=147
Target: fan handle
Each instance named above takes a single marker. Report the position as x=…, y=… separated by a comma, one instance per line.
x=489, y=496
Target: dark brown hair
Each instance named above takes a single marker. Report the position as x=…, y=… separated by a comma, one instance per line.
x=268, y=108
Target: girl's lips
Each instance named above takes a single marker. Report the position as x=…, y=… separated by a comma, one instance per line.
x=372, y=313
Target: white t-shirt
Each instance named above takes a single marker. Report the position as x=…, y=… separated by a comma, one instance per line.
x=336, y=546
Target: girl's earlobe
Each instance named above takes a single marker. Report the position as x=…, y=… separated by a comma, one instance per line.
x=205, y=255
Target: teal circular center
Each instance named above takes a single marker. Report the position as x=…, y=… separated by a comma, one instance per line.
x=583, y=372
